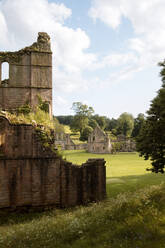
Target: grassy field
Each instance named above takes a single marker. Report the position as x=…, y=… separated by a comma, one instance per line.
x=132, y=216
x=125, y=171
x=118, y=165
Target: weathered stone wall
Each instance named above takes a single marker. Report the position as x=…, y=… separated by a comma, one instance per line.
x=82, y=146
x=30, y=74
x=32, y=175
x=66, y=143
x=123, y=144
x=99, y=142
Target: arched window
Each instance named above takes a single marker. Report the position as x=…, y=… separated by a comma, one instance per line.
x=4, y=71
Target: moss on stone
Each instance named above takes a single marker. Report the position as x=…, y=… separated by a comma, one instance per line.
x=42, y=45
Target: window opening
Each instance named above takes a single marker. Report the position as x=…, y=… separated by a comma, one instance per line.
x=4, y=73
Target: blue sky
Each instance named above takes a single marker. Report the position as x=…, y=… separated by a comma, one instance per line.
x=105, y=52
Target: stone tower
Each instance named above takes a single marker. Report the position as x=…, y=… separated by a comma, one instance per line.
x=30, y=75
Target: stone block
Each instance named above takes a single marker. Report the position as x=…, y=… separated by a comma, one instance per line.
x=19, y=76
x=41, y=59
x=41, y=77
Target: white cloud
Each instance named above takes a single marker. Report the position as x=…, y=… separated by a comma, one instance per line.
x=114, y=60
x=107, y=11
x=61, y=101
x=126, y=73
x=3, y=29
x=148, y=21
x=21, y=20
x=69, y=82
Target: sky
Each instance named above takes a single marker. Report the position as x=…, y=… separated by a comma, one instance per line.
x=105, y=52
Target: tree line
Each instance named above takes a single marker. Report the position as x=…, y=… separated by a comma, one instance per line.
x=148, y=131
x=85, y=121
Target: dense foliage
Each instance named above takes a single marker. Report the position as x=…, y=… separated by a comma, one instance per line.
x=65, y=119
x=125, y=125
x=151, y=141
x=138, y=124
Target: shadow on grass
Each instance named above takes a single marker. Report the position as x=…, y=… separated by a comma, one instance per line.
x=20, y=217
x=115, y=186
x=124, y=184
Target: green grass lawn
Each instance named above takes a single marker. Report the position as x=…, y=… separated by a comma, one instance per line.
x=118, y=165
x=124, y=171
x=132, y=216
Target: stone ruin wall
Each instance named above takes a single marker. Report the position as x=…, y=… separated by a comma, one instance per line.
x=30, y=74
x=65, y=142
x=98, y=142
x=123, y=144
x=32, y=175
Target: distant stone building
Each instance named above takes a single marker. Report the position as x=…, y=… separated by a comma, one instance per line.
x=64, y=141
x=123, y=144
x=30, y=74
x=99, y=142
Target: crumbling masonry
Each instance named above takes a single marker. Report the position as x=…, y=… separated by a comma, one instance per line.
x=31, y=174
x=30, y=74
x=99, y=142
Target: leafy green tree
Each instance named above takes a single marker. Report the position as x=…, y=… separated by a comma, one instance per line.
x=92, y=123
x=110, y=124
x=85, y=133
x=81, y=118
x=65, y=119
x=79, y=123
x=138, y=123
x=82, y=109
x=101, y=121
x=125, y=124
x=151, y=140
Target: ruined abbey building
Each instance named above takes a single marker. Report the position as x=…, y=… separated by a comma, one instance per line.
x=99, y=142
x=30, y=74
x=31, y=173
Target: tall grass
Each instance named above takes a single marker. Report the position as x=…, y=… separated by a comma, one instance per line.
x=130, y=221
x=132, y=216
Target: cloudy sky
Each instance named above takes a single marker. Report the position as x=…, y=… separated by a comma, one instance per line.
x=105, y=52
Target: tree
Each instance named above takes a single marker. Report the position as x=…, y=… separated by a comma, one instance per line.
x=151, y=140
x=92, y=123
x=65, y=119
x=81, y=118
x=138, y=123
x=101, y=121
x=111, y=124
x=85, y=133
x=79, y=123
x=82, y=109
x=125, y=124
